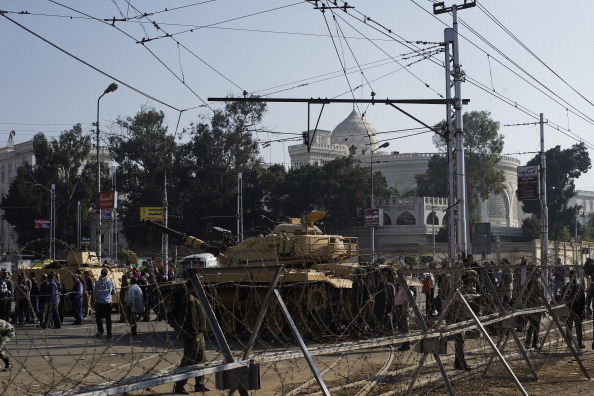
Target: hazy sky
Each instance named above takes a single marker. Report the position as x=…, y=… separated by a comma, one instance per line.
x=521, y=58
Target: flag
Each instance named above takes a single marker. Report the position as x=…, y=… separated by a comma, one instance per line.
x=265, y=144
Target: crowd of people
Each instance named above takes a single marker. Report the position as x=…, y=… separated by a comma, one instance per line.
x=484, y=286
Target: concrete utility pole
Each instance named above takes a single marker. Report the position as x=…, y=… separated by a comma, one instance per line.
x=543, y=197
x=451, y=38
x=165, y=237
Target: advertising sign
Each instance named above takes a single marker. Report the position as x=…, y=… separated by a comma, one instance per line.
x=374, y=217
x=107, y=200
x=42, y=223
x=527, y=182
x=151, y=213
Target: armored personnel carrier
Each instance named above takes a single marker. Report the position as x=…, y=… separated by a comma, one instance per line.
x=324, y=294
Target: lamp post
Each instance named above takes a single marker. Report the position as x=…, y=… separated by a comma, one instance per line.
x=112, y=87
x=386, y=144
x=52, y=218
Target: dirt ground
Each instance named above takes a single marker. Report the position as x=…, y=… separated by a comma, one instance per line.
x=49, y=360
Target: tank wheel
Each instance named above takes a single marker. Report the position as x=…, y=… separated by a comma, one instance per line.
x=228, y=322
x=317, y=298
x=67, y=307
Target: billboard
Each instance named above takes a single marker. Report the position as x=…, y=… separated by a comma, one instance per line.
x=527, y=182
x=374, y=217
x=107, y=200
x=42, y=224
x=151, y=213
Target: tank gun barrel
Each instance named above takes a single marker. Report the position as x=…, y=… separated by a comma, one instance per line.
x=188, y=240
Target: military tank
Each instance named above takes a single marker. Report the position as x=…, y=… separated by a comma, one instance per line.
x=77, y=262
x=324, y=294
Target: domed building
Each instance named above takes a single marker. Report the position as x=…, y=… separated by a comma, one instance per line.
x=412, y=219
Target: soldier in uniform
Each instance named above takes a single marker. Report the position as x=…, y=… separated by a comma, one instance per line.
x=189, y=319
x=534, y=295
x=457, y=312
x=6, y=334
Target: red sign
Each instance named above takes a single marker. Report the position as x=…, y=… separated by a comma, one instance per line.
x=42, y=223
x=107, y=200
x=374, y=217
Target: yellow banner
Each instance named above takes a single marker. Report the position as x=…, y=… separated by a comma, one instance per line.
x=151, y=213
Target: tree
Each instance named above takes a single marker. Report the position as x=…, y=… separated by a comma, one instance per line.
x=482, y=151
x=531, y=228
x=145, y=154
x=341, y=188
x=208, y=165
x=65, y=163
x=563, y=167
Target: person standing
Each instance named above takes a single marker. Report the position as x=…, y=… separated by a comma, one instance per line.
x=77, y=298
x=124, y=284
x=6, y=334
x=135, y=303
x=590, y=303
x=189, y=319
x=102, y=293
x=22, y=296
x=4, y=298
x=88, y=298
x=384, y=304
x=559, y=273
x=457, y=312
x=576, y=301
x=401, y=314
x=53, y=303
x=44, y=311
x=63, y=294
x=34, y=309
x=534, y=295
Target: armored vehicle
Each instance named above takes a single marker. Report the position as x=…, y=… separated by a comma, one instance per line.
x=324, y=294
x=77, y=262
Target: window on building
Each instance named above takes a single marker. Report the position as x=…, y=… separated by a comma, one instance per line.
x=406, y=218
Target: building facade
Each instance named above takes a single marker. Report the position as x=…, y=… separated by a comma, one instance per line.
x=14, y=156
x=407, y=217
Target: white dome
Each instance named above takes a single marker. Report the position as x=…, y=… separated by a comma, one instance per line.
x=354, y=130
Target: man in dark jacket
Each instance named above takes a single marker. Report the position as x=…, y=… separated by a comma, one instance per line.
x=384, y=304
x=576, y=302
x=189, y=319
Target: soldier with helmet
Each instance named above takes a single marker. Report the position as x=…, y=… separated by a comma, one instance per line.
x=457, y=312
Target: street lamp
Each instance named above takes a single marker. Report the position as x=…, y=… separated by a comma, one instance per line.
x=112, y=87
x=386, y=144
x=52, y=218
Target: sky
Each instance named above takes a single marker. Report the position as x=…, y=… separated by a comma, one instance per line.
x=520, y=58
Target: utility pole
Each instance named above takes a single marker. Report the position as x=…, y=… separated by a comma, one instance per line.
x=451, y=39
x=165, y=237
x=239, y=207
x=543, y=197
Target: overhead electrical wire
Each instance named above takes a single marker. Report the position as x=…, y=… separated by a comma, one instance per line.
x=502, y=97
x=89, y=65
x=482, y=8
x=151, y=52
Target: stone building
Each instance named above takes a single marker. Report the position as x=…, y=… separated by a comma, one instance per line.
x=13, y=156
